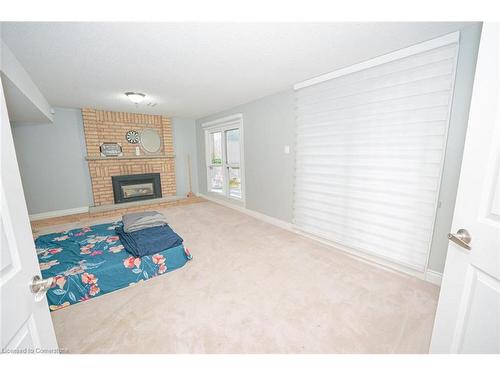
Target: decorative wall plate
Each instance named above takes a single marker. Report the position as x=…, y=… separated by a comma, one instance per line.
x=150, y=140
x=132, y=136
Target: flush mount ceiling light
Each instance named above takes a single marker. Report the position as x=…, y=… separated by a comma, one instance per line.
x=135, y=97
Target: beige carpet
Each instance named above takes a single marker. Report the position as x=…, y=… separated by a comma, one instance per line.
x=254, y=288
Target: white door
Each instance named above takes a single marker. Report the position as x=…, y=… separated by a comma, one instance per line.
x=25, y=321
x=224, y=156
x=468, y=314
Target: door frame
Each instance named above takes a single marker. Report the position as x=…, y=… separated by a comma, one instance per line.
x=223, y=124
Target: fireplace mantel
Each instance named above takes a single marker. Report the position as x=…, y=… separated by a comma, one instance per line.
x=90, y=158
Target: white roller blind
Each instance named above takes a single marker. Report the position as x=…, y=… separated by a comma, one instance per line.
x=370, y=148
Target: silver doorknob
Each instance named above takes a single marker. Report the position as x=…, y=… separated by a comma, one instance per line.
x=461, y=238
x=40, y=286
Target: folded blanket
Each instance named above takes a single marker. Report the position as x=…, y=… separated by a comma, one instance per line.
x=149, y=241
x=142, y=220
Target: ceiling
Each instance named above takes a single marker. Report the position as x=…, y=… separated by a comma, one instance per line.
x=194, y=69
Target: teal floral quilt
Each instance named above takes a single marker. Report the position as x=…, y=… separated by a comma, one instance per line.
x=89, y=262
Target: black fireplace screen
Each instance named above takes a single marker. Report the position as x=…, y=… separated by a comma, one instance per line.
x=136, y=187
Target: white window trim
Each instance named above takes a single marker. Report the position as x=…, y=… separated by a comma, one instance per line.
x=222, y=124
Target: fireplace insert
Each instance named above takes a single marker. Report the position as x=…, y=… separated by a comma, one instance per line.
x=136, y=187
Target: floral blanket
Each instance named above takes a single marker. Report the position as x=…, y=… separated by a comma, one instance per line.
x=89, y=262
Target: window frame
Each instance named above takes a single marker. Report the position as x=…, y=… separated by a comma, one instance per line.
x=223, y=125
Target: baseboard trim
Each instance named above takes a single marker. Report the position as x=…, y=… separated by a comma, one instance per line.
x=434, y=277
x=429, y=275
x=57, y=213
x=268, y=219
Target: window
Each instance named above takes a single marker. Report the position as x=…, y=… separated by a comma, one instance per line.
x=224, y=154
x=215, y=162
x=370, y=148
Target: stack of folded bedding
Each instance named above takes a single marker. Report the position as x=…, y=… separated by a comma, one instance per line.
x=147, y=233
x=142, y=220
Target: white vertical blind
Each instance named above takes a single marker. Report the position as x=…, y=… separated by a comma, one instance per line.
x=370, y=149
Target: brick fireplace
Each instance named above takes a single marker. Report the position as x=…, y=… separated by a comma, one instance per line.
x=105, y=126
